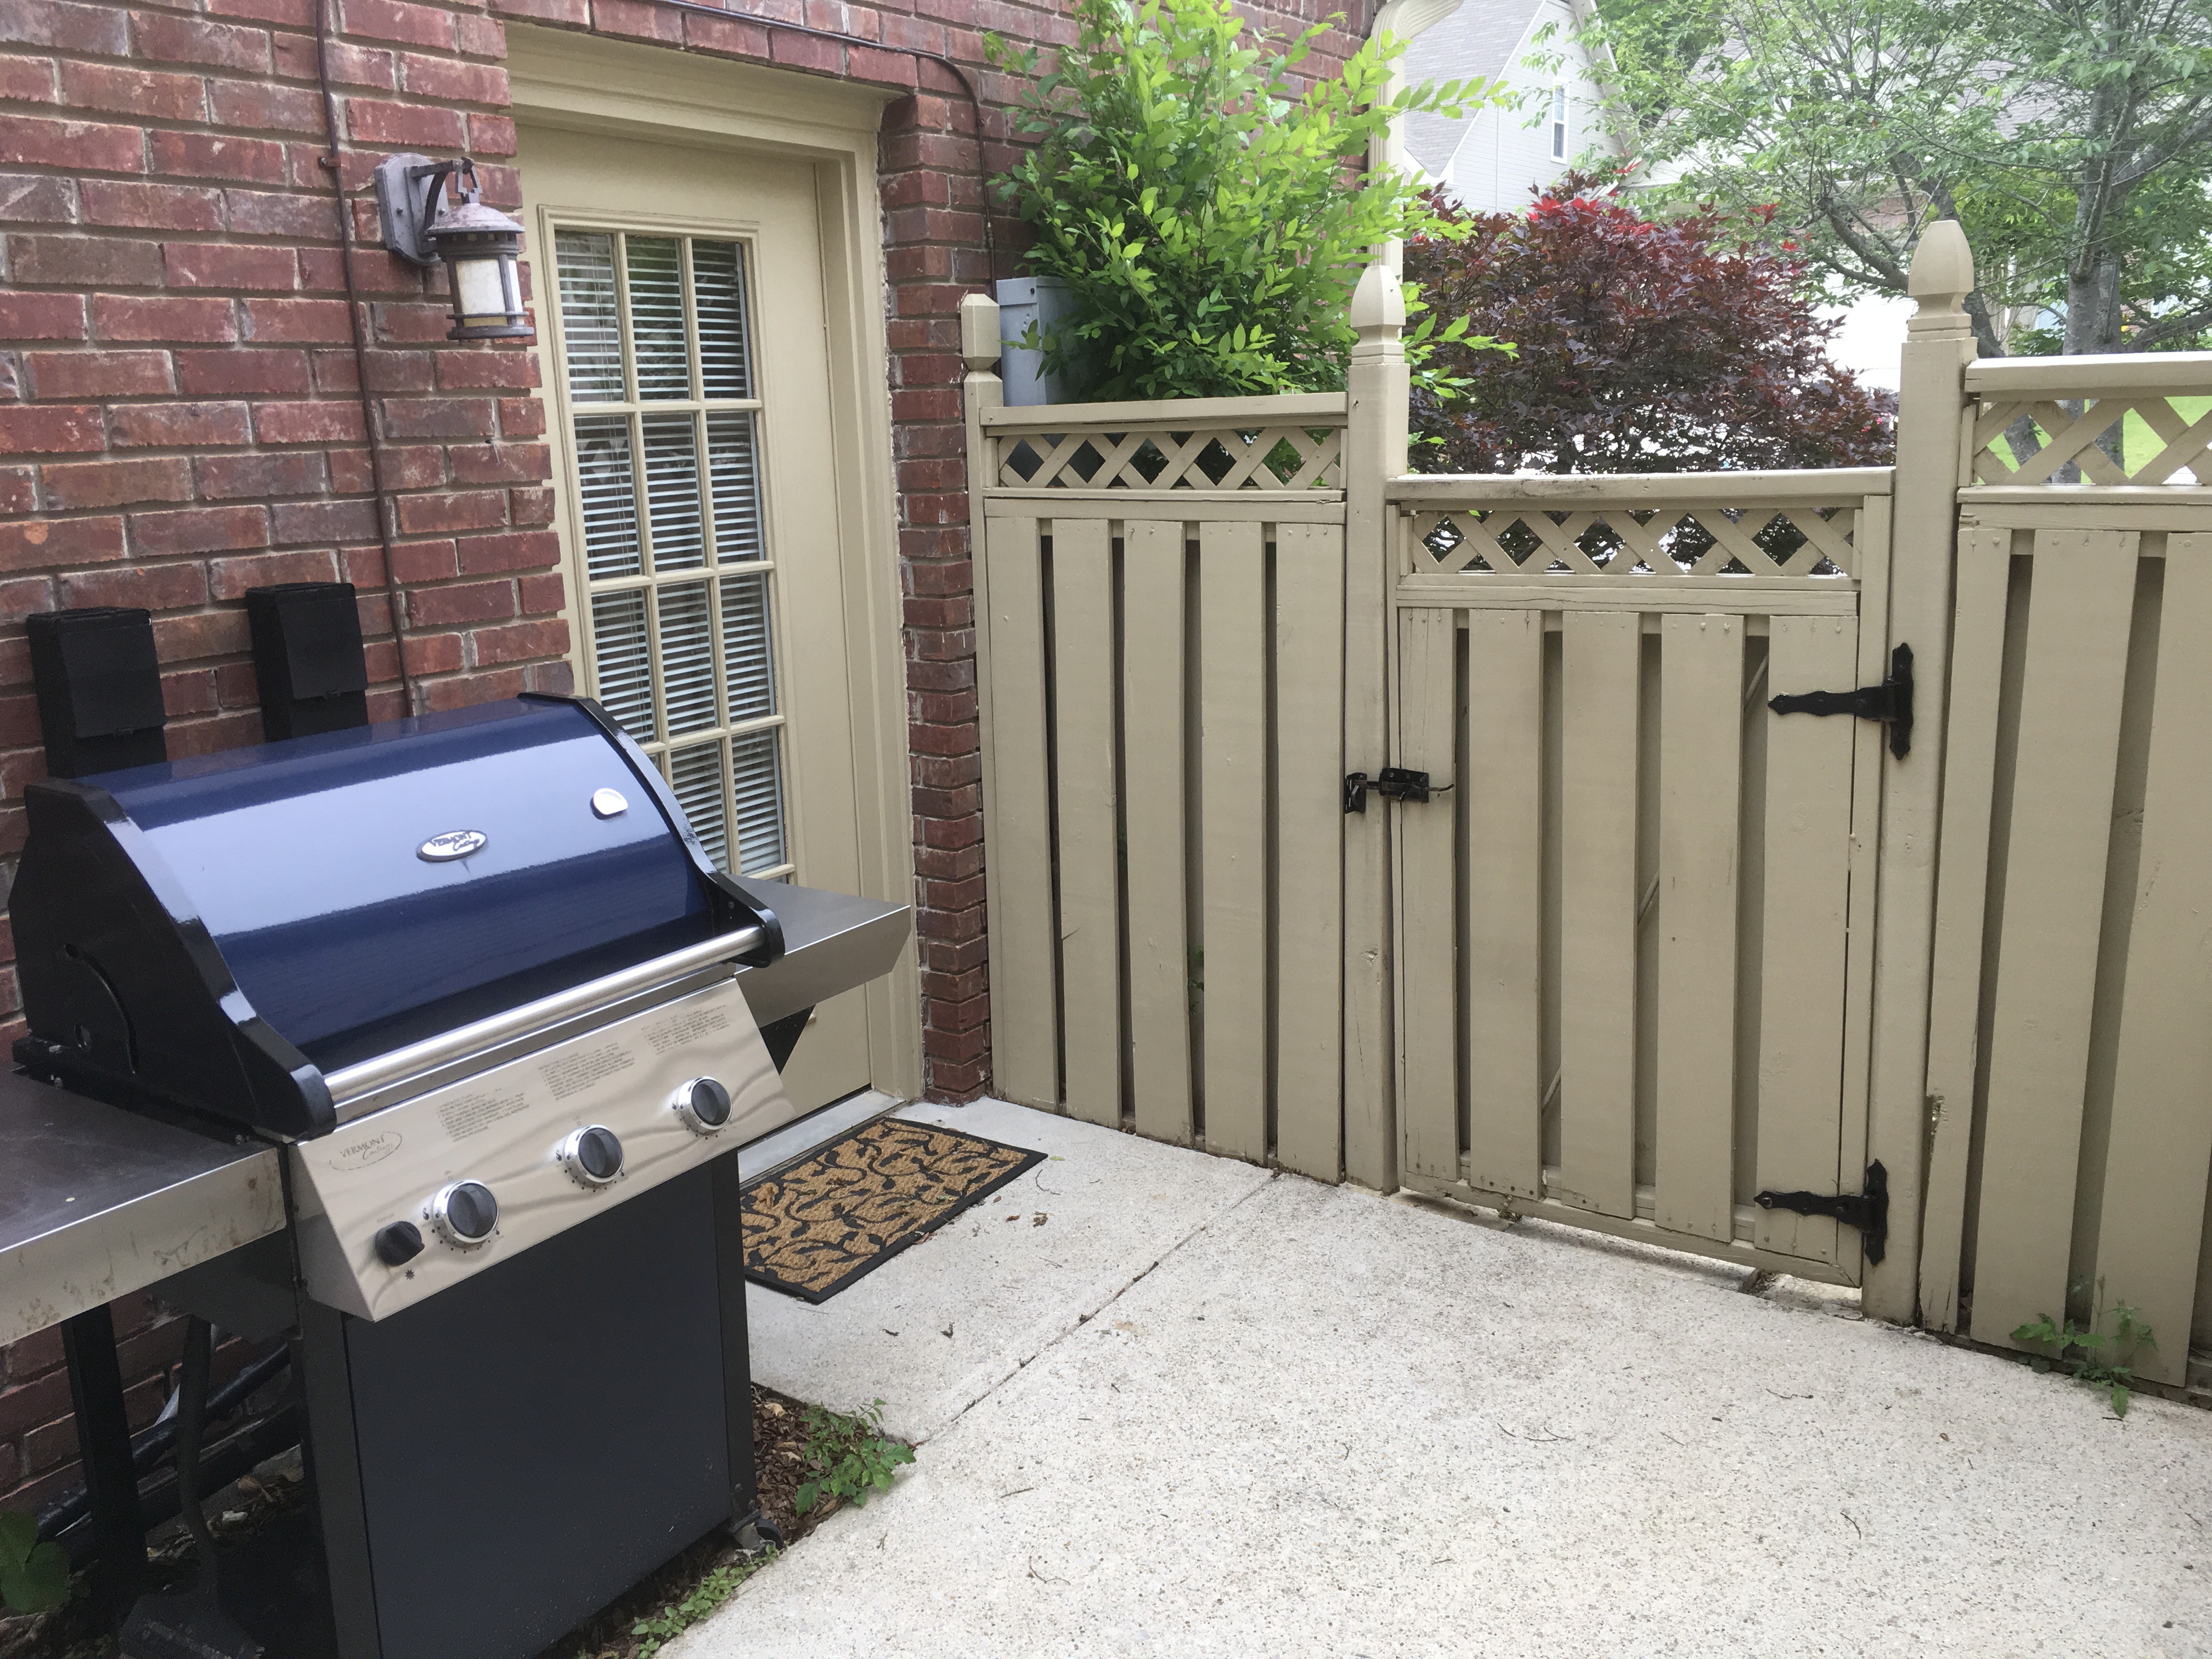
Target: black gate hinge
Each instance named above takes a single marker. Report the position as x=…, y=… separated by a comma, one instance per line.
x=1867, y=1211
x=1890, y=703
x=1396, y=783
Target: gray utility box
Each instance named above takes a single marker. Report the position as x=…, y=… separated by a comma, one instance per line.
x=1043, y=300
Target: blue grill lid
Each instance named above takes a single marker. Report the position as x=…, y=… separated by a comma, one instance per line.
x=303, y=858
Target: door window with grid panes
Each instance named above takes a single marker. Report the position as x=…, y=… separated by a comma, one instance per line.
x=677, y=634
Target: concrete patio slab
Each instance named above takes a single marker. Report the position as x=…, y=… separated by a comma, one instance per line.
x=1330, y=1422
x=934, y=1330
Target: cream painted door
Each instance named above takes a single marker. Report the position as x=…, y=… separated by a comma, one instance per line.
x=680, y=301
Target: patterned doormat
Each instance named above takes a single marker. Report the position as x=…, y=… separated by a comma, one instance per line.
x=841, y=1214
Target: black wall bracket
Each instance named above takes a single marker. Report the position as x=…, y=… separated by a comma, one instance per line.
x=1890, y=703
x=1867, y=1211
x=1395, y=783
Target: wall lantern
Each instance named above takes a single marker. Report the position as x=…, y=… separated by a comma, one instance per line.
x=479, y=244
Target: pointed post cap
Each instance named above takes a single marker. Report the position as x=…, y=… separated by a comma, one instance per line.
x=979, y=332
x=1942, y=271
x=1379, y=304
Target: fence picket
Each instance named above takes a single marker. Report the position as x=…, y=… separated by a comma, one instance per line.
x=1700, y=749
x=1024, y=959
x=2080, y=607
x=2151, y=1223
x=1428, y=1039
x=1308, y=694
x=1801, y=959
x=1962, y=908
x=1089, y=857
x=1233, y=833
x=1504, y=858
x=1597, y=946
x=1152, y=656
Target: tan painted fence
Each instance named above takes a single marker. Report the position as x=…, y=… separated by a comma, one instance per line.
x=1652, y=949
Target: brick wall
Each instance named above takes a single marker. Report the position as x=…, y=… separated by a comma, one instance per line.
x=181, y=417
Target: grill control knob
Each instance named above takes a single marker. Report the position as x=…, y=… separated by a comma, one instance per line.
x=703, y=1104
x=593, y=1155
x=398, y=1244
x=465, y=1213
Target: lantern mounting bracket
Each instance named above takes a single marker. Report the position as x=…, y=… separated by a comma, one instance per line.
x=407, y=192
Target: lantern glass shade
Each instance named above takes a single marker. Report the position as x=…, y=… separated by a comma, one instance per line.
x=480, y=247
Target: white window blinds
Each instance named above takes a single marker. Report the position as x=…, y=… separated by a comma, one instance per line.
x=657, y=351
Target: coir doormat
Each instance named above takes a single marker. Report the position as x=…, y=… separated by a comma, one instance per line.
x=841, y=1214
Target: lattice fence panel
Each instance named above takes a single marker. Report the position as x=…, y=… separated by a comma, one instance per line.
x=1512, y=539
x=1270, y=457
x=2073, y=438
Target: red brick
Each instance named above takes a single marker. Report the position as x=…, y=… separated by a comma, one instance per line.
x=637, y=20
x=19, y=598
x=298, y=321
x=527, y=549
x=287, y=472
x=520, y=642
x=154, y=587
x=491, y=135
x=210, y=156
x=229, y=265
x=83, y=261
x=324, y=522
x=264, y=109
x=191, y=692
x=118, y=483
x=131, y=317
x=28, y=80
x=350, y=65
x=577, y=13
x=487, y=370
x=391, y=20
x=151, y=207
x=143, y=92
x=42, y=317
x=541, y=594
x=465, y=602
x=71, y=27
x=388, y=371
x=209, y=737
x=144, y=425
x=42, y=544
x=480, y=37
x=18, y=493
x=31, y=198
x=497, y=463
x=200, y=530
x=50, y=430
x=100, y=373
x=432, y=653
x=372, y=121
x=86, y=146
x=167, y=38
x=300, y=13
x=319, y=422
x=438, y=418
x=406, y=466
x=232, y=577
x=280, y=213
x=422, y=515
x=243, y=371
x=446, y=81
x=204, y=633
x=736, y=37
x=521, y=417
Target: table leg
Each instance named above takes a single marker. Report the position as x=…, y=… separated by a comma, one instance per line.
x=103, y=1438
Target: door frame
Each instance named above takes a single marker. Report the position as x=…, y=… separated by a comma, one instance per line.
x=658, y=95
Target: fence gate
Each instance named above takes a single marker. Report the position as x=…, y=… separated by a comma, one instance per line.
x=1634, y=936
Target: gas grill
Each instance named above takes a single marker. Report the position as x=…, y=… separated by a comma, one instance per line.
x=474, y=976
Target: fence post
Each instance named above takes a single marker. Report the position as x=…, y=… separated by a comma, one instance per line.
x=1374, y=453
x=981, y=390
x=1933, y=432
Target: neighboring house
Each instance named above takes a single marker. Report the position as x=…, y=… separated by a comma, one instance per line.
x=722, y=488
x=1490, y=160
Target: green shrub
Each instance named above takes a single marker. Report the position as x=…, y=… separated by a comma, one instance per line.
x=34, y=1576
x=1210, y=218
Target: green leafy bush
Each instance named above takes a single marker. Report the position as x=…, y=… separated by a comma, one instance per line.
x=2085, y=1354
x=1209, y=211
x=850, y=1457
x=34, y=1576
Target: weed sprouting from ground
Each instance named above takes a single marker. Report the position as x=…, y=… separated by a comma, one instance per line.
x=849, y=1458
x=2088, y=1355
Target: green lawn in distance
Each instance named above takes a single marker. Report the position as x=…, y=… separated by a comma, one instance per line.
x=2141, y=444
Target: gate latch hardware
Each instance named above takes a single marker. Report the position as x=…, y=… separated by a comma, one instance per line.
x=1396, y=783
x=1867, y=1211
x=1890, y=703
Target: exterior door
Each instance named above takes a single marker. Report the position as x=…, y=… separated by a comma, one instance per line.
x=680, y=294
x=1633, y=962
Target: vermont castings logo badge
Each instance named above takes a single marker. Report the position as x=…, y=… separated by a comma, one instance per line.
x=453, y=844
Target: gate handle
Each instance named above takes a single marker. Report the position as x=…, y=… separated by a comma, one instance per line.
x=1396, y=783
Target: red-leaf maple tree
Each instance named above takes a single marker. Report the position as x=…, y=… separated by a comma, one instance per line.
x=1643, y=345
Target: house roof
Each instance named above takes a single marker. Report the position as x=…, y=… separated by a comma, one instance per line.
x=1477, y=42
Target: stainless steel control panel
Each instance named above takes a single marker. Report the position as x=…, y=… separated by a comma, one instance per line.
x=405, y=1201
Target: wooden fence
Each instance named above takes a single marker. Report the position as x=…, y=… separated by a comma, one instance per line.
x=1658, y=949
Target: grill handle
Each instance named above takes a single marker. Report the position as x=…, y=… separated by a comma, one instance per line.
x=351, y=1082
